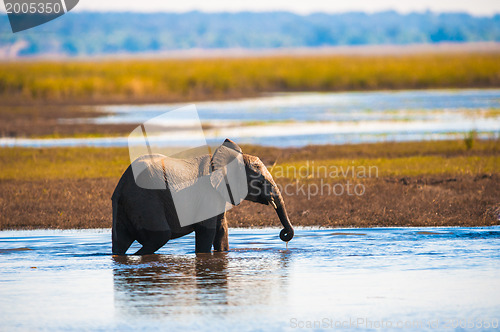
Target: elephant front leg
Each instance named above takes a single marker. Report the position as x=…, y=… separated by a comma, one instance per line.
x=152, y=241
x=204, y=235
x=221, y=242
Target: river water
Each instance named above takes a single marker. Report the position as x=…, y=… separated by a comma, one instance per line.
x=433, y=278
x=299, y=119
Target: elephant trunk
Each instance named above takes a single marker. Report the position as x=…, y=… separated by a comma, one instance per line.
x=286, y=233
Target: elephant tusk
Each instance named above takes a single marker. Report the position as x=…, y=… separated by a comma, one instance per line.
x=273, y=204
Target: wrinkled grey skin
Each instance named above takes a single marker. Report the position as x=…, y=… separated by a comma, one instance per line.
x=149, y=215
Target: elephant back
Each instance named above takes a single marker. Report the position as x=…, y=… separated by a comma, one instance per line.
x=157, y=171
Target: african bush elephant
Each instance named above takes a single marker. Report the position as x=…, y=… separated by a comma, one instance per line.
x=150, y=216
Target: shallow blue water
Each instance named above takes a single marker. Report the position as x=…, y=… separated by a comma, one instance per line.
x=299, y=119
x=67, y=280
x=311, y=106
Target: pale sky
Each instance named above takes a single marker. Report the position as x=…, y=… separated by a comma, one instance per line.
x=475, y=7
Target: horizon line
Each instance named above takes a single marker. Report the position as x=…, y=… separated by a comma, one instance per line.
x=298, y=13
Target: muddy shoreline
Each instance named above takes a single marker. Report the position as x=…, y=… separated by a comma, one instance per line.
x=79, y=197
x=387, y=202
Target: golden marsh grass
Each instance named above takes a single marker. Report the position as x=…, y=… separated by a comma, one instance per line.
x=141, y=80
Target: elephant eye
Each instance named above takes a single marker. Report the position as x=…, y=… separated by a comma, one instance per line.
x=259, y=182
x=255, y=165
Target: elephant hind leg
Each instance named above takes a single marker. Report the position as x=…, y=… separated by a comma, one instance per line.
x=152, y=241
x=121, y=237
x=121, y=241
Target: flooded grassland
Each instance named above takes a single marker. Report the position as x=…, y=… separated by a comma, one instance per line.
x=67, y=280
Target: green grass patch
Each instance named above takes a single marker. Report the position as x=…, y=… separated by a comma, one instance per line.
x=387, y=167
x=62, y=163
x=354, y=161
x=492, y=113
x=78, y=135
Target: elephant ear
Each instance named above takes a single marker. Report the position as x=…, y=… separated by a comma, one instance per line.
x=228, y=173
x=225, y=154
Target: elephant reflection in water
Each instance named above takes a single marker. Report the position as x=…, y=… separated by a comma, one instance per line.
x=168, y=284
x=159, y=285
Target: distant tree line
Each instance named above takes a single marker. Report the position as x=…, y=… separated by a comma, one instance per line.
x=93, y=33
